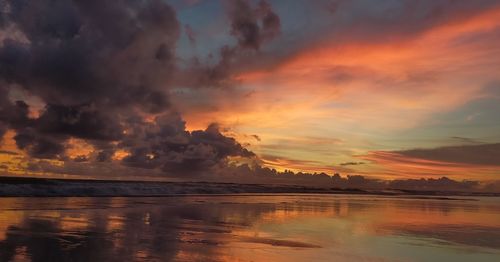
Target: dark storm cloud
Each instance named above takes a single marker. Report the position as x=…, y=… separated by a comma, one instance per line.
x=38, y=145
x=4, y=112
x=14, y=114
x=44, y=137
x=86, y=52
x=165, y=144
x=226, y=146
x=86, y=61
x=253, y=26
x=484, y=154
x=99, y=66
x=79, y=121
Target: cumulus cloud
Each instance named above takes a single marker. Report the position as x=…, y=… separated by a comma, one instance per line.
x=259, y=174
x=100, y=68
x=38, y=145
x=432, y=184
x=167, y=145
x=84, y=53
x=90, y=63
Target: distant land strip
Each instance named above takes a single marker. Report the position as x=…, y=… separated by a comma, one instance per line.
x=49, y=187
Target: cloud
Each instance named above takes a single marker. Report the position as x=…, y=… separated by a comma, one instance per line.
x=484, y=154
x=432, y=184
x=466, y=140
x=259, y=174
x=256, y=137
x=91, y=63
x=3, y=130
x=207, y=82
x=81, y=121
x=167, y=145
x=38, y=145
x=253, y=26
x=7, y=152
x=107, y=74
x=81, y=158
x=87, y=52
x=352, y=163
x=387, y=20
x=478, y=161
x=190, y=34
x=101, y=69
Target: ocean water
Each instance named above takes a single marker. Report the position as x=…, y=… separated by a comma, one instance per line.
x=250, y=228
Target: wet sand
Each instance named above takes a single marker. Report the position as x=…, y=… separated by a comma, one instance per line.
x=271, y=227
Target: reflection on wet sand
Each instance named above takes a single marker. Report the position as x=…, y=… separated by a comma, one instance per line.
x=249, y=228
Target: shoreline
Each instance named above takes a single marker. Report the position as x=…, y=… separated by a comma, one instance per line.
x=57, y=187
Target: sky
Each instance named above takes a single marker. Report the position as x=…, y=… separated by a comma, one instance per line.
x=386, y=90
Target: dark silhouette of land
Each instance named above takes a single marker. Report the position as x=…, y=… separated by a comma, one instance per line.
x=40, y=187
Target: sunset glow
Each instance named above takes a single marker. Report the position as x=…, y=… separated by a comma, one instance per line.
x=347, y=92
x=249, y=130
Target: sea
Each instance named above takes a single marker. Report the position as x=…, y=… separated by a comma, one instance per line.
x=250, y=227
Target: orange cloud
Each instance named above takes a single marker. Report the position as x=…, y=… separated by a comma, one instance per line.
x=295, y=165
x=362, y=92
x=391, y=164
